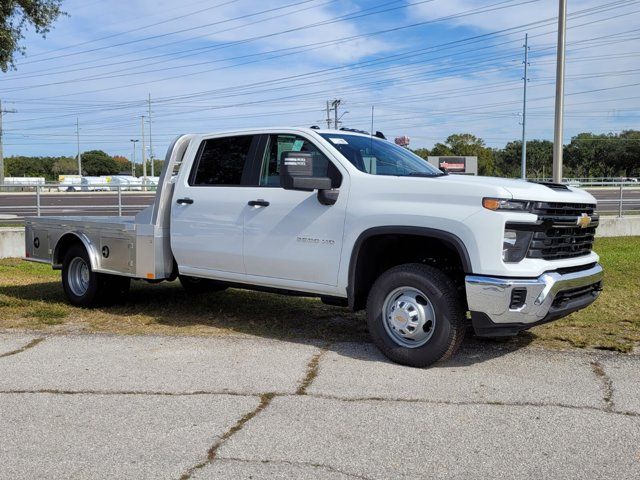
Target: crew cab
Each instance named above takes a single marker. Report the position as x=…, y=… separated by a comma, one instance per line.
x=348, y=217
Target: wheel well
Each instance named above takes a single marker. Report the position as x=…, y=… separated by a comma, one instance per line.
x=63, y=246
x=377, y=253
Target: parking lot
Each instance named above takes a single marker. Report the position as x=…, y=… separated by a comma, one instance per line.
x=230, y=407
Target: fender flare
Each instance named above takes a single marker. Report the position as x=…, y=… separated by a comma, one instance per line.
x=426, y=232
x=86, y=242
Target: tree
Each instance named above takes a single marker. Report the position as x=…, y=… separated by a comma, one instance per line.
x=15, y=15
x=441, y=150
x=467, y=145
x=29, y=167
x=97, y=162
x=65, y=166
x=539, y=159
x=124, y=165
x=422, y=152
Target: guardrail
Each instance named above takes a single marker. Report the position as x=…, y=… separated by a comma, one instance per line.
x=100, y=189
x=625, y=200
x=623, y=203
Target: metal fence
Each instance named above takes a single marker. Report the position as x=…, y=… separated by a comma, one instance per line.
x=106, y=198
x=614, y=197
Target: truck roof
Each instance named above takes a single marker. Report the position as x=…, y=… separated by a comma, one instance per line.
x=320, y=131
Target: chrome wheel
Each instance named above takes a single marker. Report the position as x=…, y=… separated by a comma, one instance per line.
x=78, y=276
x=409, y=318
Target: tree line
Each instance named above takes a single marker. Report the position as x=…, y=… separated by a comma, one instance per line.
x=94, y=163
x=587, y=155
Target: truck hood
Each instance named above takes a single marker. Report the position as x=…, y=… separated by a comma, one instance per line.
x=519, y=189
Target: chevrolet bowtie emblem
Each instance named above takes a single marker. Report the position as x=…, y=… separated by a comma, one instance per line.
x=584, y=221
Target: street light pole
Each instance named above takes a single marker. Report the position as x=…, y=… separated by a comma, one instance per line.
x=524, y=107
x=2, y=112
x=78, y=140
x=559, y=113
x=133, y=164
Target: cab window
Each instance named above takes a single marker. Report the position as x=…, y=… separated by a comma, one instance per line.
x=221, y=161
x=280, y=143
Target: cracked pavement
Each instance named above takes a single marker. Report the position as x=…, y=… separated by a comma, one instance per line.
x=102, y=406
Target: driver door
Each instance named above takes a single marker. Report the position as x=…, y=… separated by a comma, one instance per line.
x=294, y=237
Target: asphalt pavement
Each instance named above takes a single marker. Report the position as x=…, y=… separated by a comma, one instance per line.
x=106, y=203
x=100, y=406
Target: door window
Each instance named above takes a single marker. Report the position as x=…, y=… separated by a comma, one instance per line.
x=279, y=144
x=221, y=161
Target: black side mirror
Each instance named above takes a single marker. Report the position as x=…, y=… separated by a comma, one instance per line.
x=296, y=173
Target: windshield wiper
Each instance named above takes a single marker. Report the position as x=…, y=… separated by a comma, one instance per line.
x=424, y=174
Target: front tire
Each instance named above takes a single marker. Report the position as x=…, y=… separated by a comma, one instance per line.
x=415, y=315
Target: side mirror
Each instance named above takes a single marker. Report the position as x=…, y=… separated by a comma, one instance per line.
x=296, y=173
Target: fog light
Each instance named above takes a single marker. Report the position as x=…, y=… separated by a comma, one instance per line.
x=515, y=245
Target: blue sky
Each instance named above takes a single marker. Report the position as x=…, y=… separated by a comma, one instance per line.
x=430, y=68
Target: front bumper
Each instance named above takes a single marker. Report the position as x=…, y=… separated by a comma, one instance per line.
x=505, y=306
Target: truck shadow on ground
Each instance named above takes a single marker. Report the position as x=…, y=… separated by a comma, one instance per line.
x=166, y=309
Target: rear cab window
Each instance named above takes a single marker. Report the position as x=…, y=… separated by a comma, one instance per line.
x=223, y=161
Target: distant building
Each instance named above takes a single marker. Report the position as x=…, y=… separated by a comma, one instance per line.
x=459, y=165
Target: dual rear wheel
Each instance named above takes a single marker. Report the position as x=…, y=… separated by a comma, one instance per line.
x=86, y=288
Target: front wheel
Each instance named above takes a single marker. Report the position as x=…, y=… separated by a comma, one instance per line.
x=415, y=315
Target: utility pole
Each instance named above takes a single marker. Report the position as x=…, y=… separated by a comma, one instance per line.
x=328, y=115
x=133, y=164
x=144, y=158
x=524, y=106
x=2, y=112
x=559, y=114
x=78, y=142
x=335, y=104
x=150, y=140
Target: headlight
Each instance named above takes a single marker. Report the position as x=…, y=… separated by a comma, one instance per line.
x=515, y=245
x=502, y=204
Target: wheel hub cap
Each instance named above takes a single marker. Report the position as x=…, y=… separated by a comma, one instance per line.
x=78, y=276
x=409, y=318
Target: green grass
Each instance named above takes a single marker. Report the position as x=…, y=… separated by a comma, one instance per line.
x=613, y=321
x=31, y=298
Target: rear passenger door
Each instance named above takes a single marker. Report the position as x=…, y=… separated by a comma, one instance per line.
x=209, y=206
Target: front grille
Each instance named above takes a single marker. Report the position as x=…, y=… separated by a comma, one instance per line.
x=554, y=209
x=558, y=235
x=557, y=243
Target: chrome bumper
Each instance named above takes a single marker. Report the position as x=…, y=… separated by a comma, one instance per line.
x=492, y=296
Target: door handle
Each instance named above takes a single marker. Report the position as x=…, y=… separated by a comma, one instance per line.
x=258, y=203
x=184, y=201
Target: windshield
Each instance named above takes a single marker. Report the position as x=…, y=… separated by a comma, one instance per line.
x=380, y=157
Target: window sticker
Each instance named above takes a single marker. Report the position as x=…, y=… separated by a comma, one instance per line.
x=339, y=141
x=297, y=145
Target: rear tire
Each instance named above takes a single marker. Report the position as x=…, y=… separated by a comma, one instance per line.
x=415, y=315
x=85, y=288
x=201, y=285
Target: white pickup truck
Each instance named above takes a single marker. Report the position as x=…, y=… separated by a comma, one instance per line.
x=348, y=217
